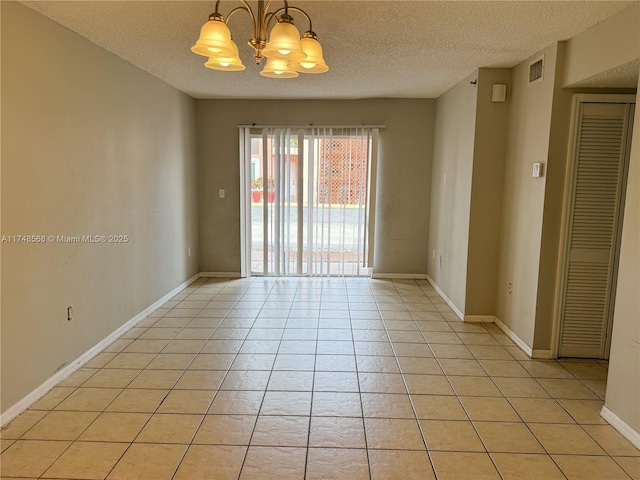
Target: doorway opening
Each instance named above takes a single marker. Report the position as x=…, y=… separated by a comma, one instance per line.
x=307, y=199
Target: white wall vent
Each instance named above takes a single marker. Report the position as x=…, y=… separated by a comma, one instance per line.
x=536, y=70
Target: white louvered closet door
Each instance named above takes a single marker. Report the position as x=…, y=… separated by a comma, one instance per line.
x=601, y=157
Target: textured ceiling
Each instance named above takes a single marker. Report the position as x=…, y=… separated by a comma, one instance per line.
x=622, y=76
x=373, y=48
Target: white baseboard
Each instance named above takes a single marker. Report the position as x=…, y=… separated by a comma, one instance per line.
x=479, y=319
x=22, y=405
x=220, y=274
x=515, y=338
x=621, y=426
x=532, y=353
x=542, y=354
x=399, y=276
x=452, y=305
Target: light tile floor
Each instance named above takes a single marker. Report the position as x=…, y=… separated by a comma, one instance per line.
x=318, y=379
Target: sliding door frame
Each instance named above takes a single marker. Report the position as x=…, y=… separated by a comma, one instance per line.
x=245, y=134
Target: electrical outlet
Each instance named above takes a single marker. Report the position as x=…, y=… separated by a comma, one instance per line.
x=510, y=288
x=69, y=313
x=221, y=193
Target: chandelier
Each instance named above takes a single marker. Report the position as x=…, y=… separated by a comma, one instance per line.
x=287, y=54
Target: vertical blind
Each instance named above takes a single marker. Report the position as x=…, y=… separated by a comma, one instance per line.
x=310, y=199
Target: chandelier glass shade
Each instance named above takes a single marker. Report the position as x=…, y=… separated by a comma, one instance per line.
x=227, y=63
x=314, y=61
x=215, y=39
x=287, y=54
x=278, y=68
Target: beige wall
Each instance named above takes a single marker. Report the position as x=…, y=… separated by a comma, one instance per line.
x=523, y=199
x=466, y=196
x=607, y=45
x=486, y=193
x=404, y=172
x=623, y=383
x=451, y=189
x=90, y=145
x=556, y=171
x=555, y=174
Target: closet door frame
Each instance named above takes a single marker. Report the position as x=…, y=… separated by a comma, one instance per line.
x=567, y=213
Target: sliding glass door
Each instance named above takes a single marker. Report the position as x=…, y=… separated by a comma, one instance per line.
x=306, y=200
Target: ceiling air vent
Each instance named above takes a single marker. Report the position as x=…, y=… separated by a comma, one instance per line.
x=536, y=69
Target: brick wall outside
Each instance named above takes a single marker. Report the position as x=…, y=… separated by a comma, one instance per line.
x=342, y=177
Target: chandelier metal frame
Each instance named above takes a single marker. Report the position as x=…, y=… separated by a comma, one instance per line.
x=287, y=54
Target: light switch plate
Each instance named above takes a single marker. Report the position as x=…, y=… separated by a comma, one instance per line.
x=221, y=193
x=537, y=170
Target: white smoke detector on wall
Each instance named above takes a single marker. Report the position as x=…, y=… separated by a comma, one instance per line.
x=499, y=93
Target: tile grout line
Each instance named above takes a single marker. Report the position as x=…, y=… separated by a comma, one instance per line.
x=471, y=422
x=415, y=413
x=133, y=441
x=229, y=370
x=210, y=403
x=405, y=297
x=313, y=383
x=364, y=426
x=172, y=388
x=77, y=439
x=266, y=389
